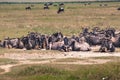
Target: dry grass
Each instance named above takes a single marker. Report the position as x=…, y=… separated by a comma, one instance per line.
x=70, y=60
x=4, y=61
x=64, y=72
x=16, y=21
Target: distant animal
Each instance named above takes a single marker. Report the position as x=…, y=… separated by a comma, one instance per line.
x=60, y=4
x=28, y=8
x=105, y=5
x=118, y=8
x=100, y=4
x=32, y=5
x=46, y=7
x=61, y=9
x=48, y=4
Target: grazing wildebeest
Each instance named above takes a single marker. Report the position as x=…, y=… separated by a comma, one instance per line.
x=107, y=46
x=61, y=9
x=50, y=3
x=105, y=5
x=32, y=5
x=28, y=8
x=46, y=7
x=61, y=4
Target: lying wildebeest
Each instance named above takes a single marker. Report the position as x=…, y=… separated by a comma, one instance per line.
x=57, y=36
x=107, y=46
x=28, y=8
x=110, y=32
x=82, y=45
x=116, y=40
x=93, y=40
x=13, y=43
x=61, y=9
x=60, y=46
x=35, y=41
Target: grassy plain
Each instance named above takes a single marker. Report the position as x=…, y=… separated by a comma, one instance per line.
x=15, y=21
x=110, y=71
x=4, y=61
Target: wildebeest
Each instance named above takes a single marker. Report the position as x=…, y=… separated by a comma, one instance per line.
x=80, y=45
x=107, y=46
x=28, y=8
x=46, y=7
x=61, y=4
x=60, y=46
x=107, y=39
x=57, y=36
x=48, y=4
x=12, y=43
x=61, y=9
x=118, y=8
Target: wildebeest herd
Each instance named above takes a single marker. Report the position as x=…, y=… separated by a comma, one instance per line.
x=107, y=39
x=47, y=6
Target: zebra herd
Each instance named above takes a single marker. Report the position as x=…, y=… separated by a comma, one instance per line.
x=107, y=39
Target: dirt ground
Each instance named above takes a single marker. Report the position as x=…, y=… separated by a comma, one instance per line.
x=85, y=58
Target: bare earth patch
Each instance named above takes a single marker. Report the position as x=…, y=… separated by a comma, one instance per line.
x=79, y=58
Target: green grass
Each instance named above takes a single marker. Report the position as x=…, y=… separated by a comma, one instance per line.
x=16, y=21
x=70, y=60
x=110, y=57
x=64, y=72
x=4, y=61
